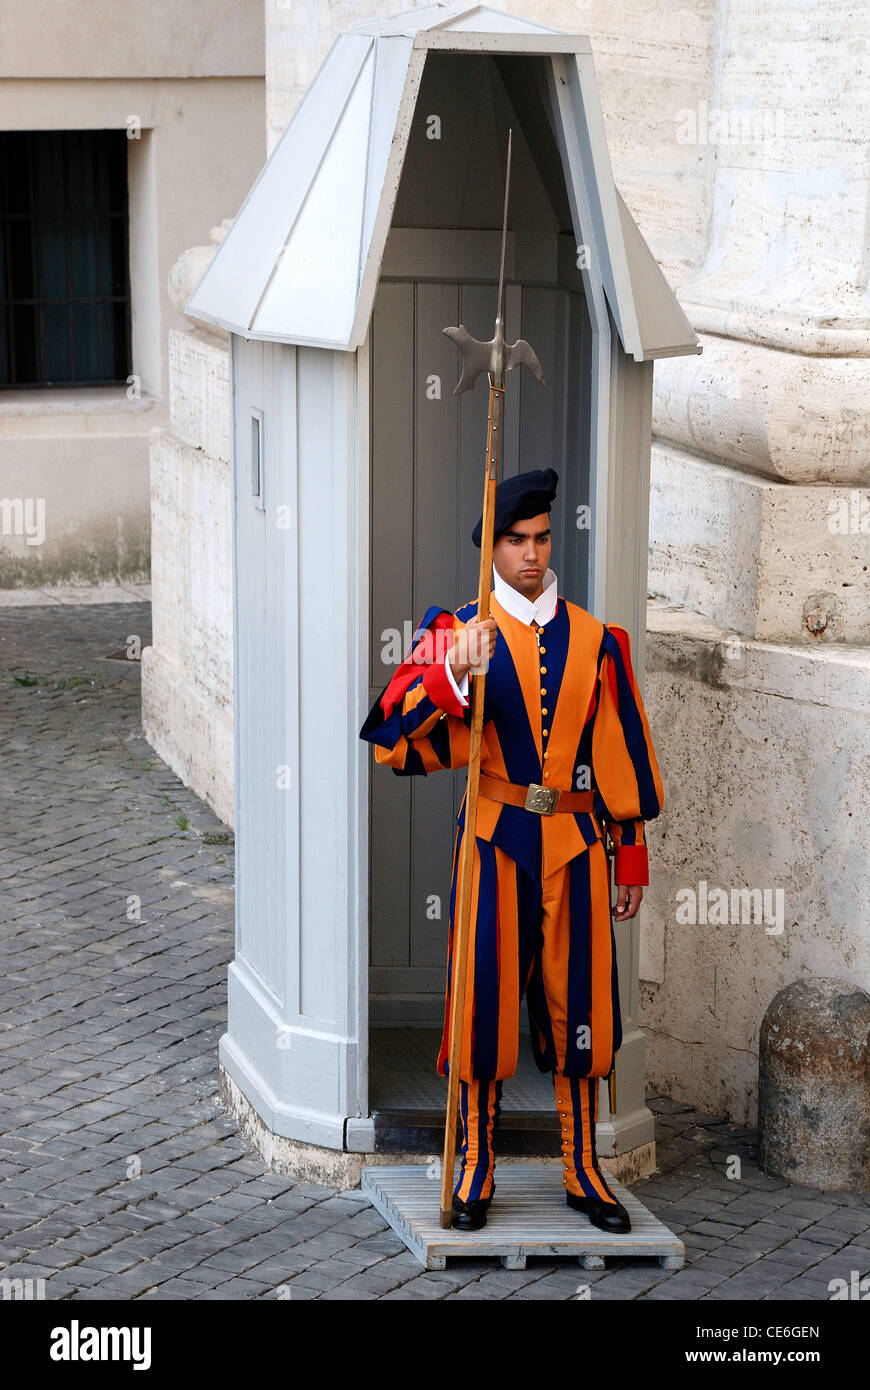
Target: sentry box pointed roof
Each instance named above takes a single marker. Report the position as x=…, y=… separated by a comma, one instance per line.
x=301, y=260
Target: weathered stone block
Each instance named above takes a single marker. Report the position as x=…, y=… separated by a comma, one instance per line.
x=814, y=1085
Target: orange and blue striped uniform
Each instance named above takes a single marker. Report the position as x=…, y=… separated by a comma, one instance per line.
x=576, y=1104
x=563, y=710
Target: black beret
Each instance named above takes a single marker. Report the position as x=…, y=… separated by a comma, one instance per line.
x=518, y=498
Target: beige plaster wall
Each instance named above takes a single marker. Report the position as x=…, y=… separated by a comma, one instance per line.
x=95, y=38
x=198, y=144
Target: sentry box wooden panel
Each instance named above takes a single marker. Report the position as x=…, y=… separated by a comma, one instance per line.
x=374, y=224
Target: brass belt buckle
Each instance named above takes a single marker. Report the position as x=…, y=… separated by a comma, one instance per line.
x=541, y=799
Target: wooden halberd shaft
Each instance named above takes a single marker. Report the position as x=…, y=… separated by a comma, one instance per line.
x=462, y=919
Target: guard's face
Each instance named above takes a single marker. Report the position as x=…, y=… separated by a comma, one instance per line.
x=522, y=554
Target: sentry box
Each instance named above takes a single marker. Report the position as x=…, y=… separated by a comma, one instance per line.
x=357, y=482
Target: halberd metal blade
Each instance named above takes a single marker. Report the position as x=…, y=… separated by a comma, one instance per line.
x=495, y=357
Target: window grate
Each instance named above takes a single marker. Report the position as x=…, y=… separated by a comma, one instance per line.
x=64, y=258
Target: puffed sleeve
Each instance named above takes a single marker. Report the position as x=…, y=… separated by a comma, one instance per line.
x=419, y=723
x=625, y=771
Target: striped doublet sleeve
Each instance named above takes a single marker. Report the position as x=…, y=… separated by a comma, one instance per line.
x=625, y=770
x=418, y=724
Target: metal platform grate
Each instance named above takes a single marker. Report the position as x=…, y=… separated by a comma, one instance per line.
x=402, y=1075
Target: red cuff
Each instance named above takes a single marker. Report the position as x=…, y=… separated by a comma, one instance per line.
x=631, y=865
x=440, y=691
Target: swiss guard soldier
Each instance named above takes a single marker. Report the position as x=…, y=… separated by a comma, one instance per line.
x=566, y=751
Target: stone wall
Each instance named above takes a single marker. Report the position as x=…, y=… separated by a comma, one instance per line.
x=764, y=749
x=758, y=657
x=187, y=672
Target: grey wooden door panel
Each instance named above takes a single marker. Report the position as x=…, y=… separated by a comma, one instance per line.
x=409, y=979
x=541, y=410
x=392, y=539
x=392, y=370
x=427, y=474
x=390, y=848
x=436, y=548
x=574, y=555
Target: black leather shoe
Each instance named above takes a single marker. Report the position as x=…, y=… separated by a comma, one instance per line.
x=608, y=1216
x=470, y=1216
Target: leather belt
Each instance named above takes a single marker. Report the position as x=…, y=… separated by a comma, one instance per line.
x=545, y=800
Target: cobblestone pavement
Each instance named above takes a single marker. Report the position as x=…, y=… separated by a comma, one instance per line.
x=120, y=1176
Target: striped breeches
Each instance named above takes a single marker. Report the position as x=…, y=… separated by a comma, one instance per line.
x=550, y=938
x=577, y=1106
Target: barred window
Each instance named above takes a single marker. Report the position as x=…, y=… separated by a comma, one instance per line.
x=64, y=258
